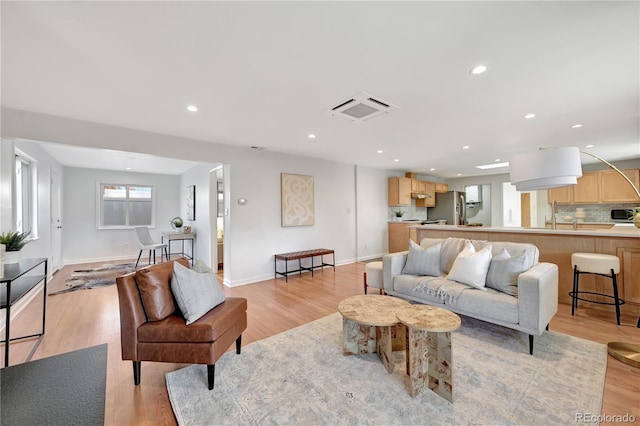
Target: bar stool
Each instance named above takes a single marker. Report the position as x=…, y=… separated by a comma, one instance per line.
x=373, y=276
x=605, y=265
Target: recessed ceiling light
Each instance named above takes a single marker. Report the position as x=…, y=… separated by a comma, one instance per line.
x=312, y=136
x=379, y=151
x=432, y=169
x=577, y=126
x=493, y=165
x=466, y=147
x=589, y=146
x=459, y=174
x=496, y=160
x=478, y=69
x=127, y=168
x=192, y=108
x=530, y=115
x=396, y=160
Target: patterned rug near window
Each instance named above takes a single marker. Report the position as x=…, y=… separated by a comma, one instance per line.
x=105, y=275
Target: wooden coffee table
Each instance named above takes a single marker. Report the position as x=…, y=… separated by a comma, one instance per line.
x=369, y=324
x=428, y=345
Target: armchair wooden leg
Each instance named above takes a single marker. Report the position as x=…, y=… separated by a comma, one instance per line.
x=238, y=344
x=211, y=370
x=136, y=372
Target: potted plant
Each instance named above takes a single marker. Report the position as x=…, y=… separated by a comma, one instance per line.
x=176, y=223
x=399, y=214
x=13, y=242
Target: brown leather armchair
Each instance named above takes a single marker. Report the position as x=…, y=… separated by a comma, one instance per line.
x=153, y=329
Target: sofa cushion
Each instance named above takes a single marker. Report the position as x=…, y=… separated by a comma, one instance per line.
x=488, y=304
x=409, y=285
x=423, y=261
x=155, y=292
x=470, y=267
x=196, y=290
x=504, y=270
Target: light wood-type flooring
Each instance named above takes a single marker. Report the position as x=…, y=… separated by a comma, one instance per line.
x=90, y=317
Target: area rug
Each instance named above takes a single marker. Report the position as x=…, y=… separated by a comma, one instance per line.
x=300, y=377
x=67, y=389
x=83, y=279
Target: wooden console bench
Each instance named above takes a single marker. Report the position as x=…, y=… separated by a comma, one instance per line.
x=299, y=255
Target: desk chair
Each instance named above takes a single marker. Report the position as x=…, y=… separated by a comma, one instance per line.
x=146, y=243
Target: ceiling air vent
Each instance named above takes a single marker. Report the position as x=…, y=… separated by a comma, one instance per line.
x=361, y=107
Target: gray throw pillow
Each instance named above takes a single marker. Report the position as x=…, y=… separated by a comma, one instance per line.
x=423, y=261
x=504, y=270
x=196, y=290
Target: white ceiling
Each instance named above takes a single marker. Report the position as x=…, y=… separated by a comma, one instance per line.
x=265, y=73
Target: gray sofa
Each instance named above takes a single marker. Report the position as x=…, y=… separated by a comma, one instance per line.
x=523, y=297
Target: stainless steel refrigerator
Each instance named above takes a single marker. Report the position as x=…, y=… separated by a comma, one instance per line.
x=450, y=206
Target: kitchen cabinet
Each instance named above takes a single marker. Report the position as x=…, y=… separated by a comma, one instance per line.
x=603, y=187
x=587, y=190
x=399, y=192
x=399, y=236
x=430, y=192
x=417, y=187
x=441, y=187
x=629, y=274
x=615, y=189
x=562, y=195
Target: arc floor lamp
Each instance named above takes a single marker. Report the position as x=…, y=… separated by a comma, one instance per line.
x=555, y=167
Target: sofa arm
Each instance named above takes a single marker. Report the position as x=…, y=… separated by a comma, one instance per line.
x=538, y=297
x=392, y=265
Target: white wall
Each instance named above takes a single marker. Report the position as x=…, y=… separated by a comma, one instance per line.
x=372, y=217
x=202, y=226
x=253, y=233
x=82, y=241
x=41, y=247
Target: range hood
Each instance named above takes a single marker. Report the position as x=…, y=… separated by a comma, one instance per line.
x=420, y=195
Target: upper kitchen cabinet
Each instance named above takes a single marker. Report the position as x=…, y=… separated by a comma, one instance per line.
x=441, y=187
x=430, y=196
x=562, y=195
x=399, y=192
x=587, y=190
x=604, y=187
x=615, y=189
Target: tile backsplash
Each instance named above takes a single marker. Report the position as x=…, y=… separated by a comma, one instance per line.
x=595, y=212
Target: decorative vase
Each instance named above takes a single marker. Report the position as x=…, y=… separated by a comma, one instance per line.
x=636, y=219
x=12, y=256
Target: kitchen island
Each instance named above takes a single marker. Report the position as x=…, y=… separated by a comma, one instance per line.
x=556, y=246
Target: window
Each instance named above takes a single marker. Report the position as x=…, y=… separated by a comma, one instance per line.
x=25, y=194
x=126, y=206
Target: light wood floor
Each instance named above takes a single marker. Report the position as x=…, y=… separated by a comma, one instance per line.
x=90, y=317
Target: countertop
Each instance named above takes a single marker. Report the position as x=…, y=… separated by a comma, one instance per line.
x=625, y=230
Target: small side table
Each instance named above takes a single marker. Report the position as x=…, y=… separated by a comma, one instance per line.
x=180, y=236
x=428, y=343
x=17, y=280
x=369, y=325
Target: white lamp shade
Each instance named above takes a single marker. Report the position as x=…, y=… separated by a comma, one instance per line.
x=546, y=168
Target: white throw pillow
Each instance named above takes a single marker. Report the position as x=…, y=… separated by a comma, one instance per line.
x=196, y=290
x=423, y=261
x=470, y=267
x=504, y=270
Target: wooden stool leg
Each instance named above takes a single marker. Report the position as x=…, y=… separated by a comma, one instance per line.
x=365, y=283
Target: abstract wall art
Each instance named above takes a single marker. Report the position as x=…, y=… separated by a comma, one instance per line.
x=297, y=197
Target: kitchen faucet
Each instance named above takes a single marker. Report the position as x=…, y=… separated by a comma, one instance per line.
x=554, y=209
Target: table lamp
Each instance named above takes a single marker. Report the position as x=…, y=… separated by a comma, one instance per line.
x=555, y=167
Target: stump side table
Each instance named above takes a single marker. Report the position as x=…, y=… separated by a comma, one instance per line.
x=428, y=348
x=370, y=325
